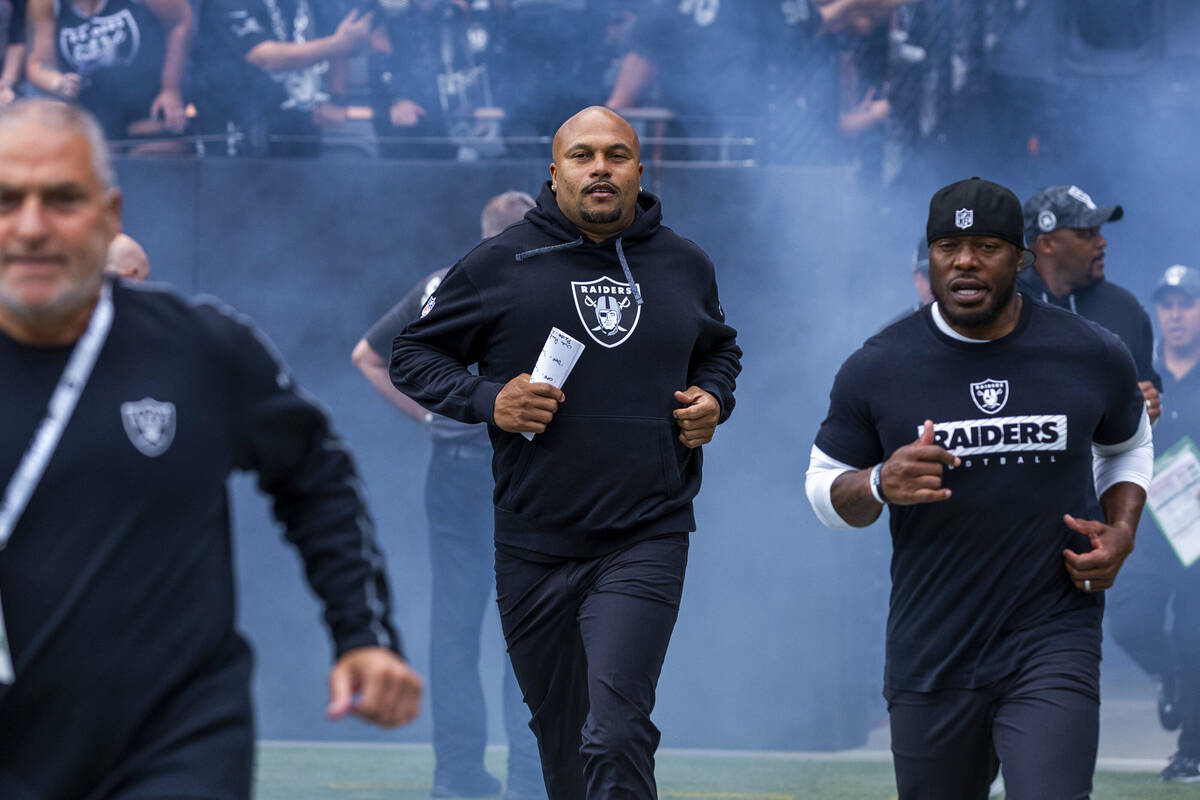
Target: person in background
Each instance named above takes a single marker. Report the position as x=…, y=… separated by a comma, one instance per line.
x=1162, y=576
x=127, y=259
x=122, y=60
x=458, y=504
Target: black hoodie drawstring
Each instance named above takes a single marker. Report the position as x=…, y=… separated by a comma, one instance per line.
x=552, y=248
x=637, y=293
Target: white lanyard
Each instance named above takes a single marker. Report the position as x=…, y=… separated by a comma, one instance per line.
x=49, y=431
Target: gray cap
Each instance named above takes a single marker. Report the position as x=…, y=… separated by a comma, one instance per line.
x=1180, y=279
x=1054, y=207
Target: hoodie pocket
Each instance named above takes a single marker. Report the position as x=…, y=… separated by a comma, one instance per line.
x=595, y=472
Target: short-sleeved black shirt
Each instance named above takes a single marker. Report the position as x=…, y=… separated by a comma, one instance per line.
x=391, y=324
x=978, y=581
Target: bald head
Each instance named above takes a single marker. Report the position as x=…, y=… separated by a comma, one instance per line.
x=596, y=174
x=127, y=259
x=593, y=118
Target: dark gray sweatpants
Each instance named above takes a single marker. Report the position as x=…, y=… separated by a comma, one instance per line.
x=1041, y=724
x=587, y=639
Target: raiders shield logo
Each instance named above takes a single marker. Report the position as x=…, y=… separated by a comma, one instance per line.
x=607, y=310
x=989, y=395
x=964, y=218
x=150, y=425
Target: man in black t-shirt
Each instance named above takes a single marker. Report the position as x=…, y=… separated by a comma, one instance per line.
x=1164, y=572
x=126, y=409
x=263, y=65
x=976, y=422
x=458, y=503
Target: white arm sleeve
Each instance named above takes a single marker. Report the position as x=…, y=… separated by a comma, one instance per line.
x=818, y=484
x=1131, y=460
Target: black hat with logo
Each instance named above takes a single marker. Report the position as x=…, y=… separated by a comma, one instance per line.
x=976, y=207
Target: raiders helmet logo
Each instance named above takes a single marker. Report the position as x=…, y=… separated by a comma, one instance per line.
x=989, y=395
x=150, y=425
x=607, y=310
x=964, y=218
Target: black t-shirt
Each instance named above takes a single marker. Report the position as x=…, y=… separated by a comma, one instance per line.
x=390, y=325
x=978, y=581
x=12, y=23
x=230, y=29
x=714, y=57
x=117, y=581
x=118, y=51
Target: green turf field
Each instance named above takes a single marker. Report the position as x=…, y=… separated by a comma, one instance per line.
x=384, y=772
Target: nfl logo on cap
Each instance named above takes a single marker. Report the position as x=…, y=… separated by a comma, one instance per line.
x=964, y=218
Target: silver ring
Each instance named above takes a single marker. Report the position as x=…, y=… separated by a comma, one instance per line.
x=1087, y=586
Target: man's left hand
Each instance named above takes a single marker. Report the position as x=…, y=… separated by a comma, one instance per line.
x=376, y=684
x=699, y=416
x=1111, y=544
x=1153, y=403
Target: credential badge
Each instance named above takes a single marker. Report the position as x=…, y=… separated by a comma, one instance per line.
x=607, y=309
x=964, y=218
x=989, y=395
x=150, y=425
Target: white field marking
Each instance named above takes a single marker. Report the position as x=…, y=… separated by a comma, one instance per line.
x=1108, y=764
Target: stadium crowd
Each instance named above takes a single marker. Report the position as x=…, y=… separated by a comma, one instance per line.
x=471, y=79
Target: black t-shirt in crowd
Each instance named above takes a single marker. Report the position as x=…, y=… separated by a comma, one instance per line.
x=978, y=581
x=230, y=29
x=118, y=52
x=12, y=23
x=746, y=69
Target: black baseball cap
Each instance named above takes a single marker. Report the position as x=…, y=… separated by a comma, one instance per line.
x=1063, y=206
x=1178, y=279
x=976, y=207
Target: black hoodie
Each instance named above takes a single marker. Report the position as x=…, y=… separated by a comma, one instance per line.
x=1108, y=305
x=609, y=469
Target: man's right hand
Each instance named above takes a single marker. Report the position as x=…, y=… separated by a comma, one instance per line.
x=524, y=407
x=68, y=85
x=914, y=472
x=354, y=32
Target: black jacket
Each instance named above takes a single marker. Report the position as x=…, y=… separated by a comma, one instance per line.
x=609, y=470
x=1109, y=305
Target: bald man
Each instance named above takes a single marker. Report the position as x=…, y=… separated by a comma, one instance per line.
x=127, y=259
x=594, y=510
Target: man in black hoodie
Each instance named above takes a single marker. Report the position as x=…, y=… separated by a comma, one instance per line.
x=1062, y=226
x=593, y=512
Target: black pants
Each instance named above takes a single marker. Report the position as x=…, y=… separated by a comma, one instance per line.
x=1152, y=581
x=1041, y=723
x=587, y=638
x=458, y=501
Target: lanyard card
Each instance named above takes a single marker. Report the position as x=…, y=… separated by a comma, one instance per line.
x=1174, y=498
